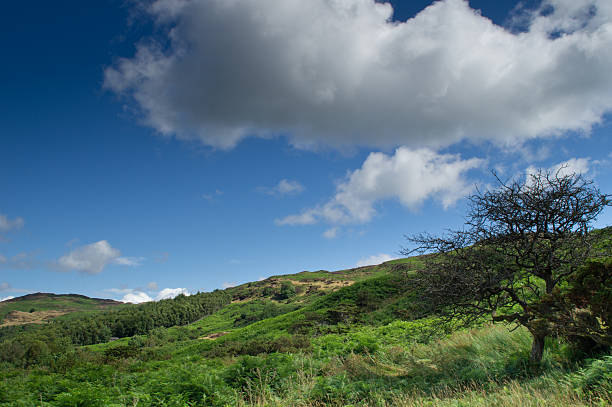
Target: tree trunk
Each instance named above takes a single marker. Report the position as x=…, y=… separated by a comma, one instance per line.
x=537, y=349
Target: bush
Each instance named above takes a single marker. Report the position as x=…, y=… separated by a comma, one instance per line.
x=257, y=346
x=121, y=352
x=595, y=378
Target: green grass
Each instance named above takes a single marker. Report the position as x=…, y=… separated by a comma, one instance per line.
x=52, y=302
x=366, y=343
x=367, y=366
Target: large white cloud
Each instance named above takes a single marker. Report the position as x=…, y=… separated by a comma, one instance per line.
x=411, y=176
x=341, y=72
x=94, y=257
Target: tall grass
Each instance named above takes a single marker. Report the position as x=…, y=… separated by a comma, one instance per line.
x=481, y=367
x=376, y=367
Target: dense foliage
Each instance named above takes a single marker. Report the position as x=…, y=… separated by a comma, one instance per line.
x=522, y=242
x=42, y=344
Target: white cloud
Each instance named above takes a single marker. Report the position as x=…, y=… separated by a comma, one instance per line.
x=136, y=297
x=167, y=293
x=342, y=73
x=284, y=187
x=569, y=167
x=307, y=217
x=10, y=297
x=572, y=166
x=229, y=284
x=94, y=257
x=375, y=259
x=7, y=224
x=129, y=261
x=411, y=176
x=331, y=233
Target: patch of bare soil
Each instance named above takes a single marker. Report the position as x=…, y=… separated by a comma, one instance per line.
x=214, y=336
x=325, y=284
x=36, y=317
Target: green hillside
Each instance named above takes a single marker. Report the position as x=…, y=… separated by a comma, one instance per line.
x=42, y=307
x=356, y=337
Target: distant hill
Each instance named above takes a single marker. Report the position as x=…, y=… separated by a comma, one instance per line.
x=311, y=285
x=39, y=308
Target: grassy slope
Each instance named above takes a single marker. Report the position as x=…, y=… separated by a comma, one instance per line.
x=44, y=306
x=353, y=337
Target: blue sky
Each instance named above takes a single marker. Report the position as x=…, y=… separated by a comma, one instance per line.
x=153, y=148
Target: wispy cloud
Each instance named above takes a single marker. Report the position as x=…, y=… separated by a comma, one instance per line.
x=129, y=261
x=374, y=259
x=21, y=261
x=94, y=258
x=7, y=224
x=211, y=197
x=331, y=233
x=6, y=287
x=284, y=187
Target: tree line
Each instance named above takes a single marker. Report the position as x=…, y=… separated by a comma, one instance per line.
x=25, y=346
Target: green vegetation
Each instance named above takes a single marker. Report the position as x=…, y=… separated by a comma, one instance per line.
x=49, y=306
x=359, y=337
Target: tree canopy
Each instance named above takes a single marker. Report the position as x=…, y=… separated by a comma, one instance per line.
x=522, y=243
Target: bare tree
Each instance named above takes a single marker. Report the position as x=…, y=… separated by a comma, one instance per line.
x=520, y=243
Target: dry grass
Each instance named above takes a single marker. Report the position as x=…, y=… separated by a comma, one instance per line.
x=36, y=317
x=512, y=394
x=213, y=335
